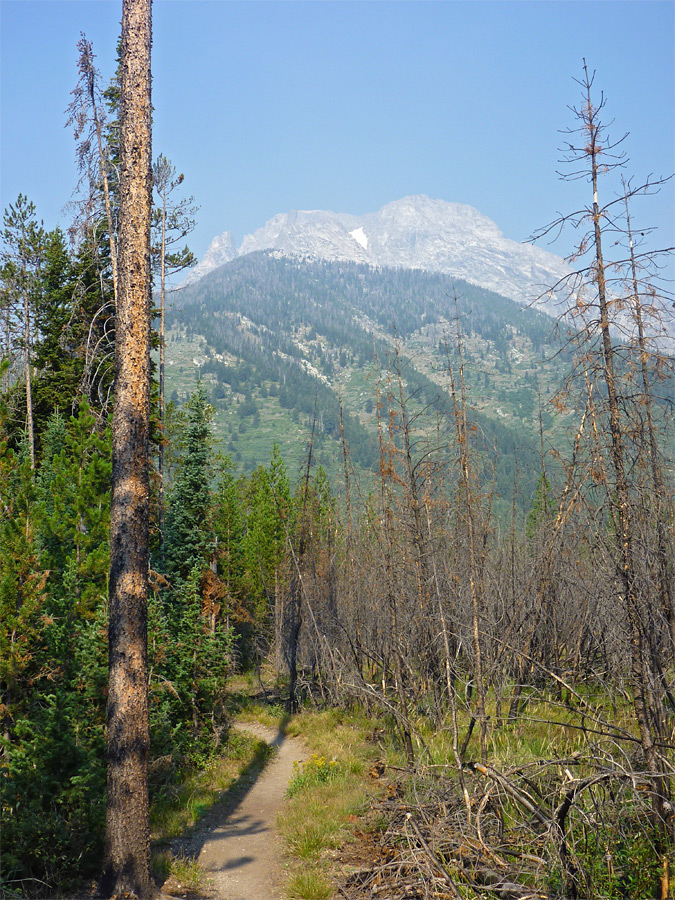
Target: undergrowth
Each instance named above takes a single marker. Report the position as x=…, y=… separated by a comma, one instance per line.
x=325, y=796
x=552, y=749
x=179, y=805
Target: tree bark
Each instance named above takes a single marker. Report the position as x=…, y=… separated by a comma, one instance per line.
x=127, y=849
x=162, y=295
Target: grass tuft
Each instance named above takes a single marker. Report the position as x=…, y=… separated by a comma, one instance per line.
x=187, y=873
x=309, y=886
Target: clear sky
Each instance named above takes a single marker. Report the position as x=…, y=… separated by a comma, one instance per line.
x=272, y=106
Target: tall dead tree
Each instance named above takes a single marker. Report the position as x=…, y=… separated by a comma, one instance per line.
x=594, y=152
x=645, y=357
x=469, y=508
x=86, y=114
x=590, y=153
x=388, y=477
x=127, y=845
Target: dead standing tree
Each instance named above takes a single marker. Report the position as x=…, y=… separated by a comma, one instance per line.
x=86, y=114
x=95, y=229
x=643, y=314
x=386, y=429
x=469, y=509
x=589, y=153
x=127, y=844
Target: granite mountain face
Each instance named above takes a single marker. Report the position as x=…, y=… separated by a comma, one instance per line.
x=413, y=233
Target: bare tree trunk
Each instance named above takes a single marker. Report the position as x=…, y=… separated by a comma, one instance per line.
x=127, y=849
x=471, y=512
x=386, y=473
x=103, y=166
x=88, y=92
x=660, y=494
x=29, y=395
x=621, y=500
x=8, y=340
x=414, y=487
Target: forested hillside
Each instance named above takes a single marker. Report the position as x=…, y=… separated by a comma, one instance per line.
x=281, y=341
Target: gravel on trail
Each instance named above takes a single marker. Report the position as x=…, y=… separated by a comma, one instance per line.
x=243, y=854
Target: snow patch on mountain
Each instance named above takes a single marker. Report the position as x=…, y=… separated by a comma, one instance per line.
x=360, y=237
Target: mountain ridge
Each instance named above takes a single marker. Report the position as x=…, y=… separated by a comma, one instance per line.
x=415, y=232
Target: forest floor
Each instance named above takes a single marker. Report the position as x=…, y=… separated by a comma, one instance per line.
x=238, y=846
x=353, y=822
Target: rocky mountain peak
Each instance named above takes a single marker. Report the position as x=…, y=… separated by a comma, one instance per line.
x=221, y=250
x=415, y=232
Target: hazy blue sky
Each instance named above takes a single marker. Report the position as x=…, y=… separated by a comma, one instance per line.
x=271, y=106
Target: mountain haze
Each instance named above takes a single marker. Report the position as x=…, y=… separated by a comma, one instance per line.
x=318, y=311
x=412, y=233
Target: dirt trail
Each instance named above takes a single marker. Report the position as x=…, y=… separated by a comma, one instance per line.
x=243, y=854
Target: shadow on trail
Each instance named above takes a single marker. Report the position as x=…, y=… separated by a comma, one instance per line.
x=220, y=822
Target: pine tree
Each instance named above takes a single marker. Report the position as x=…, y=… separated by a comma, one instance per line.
x=22, y=257
x=52, y=676
x=95, y=117
x=73, y=512
x=229, y=530
x=269, y=521
x=199, y=660
x=591, y=154
x=188, y=539
x=22, y=586
x=87, y=115
x=541, y=509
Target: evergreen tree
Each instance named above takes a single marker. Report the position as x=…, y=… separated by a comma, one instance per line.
x=22, y=587
x=269, y=521
x=199, y=660
x=542, y=507
x=58, y=364
x=52, y=678
x=22, y=257
x=73, y=489
x=172, y=222
x=188, y=538
x=229, y=525
x=68, y=335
